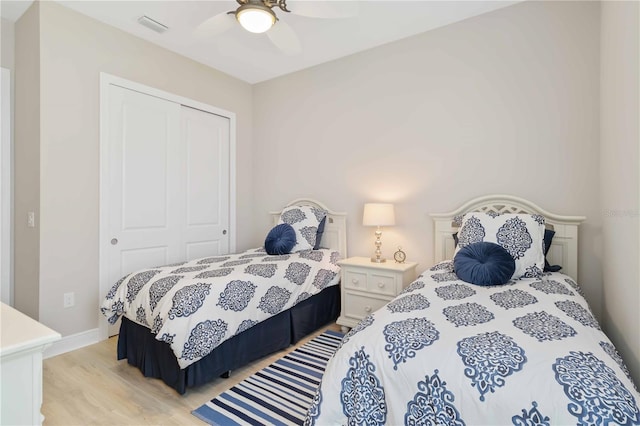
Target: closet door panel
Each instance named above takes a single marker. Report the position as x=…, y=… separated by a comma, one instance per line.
x=206, y=139
x=144, y=184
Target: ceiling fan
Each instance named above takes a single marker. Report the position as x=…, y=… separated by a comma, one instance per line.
x=258, y=16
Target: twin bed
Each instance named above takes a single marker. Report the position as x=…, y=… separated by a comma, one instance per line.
x=445, y=351
x=190, y=323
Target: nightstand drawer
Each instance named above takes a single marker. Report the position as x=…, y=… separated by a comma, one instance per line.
x=356, y=280
x=382, y=283
x=358, y=306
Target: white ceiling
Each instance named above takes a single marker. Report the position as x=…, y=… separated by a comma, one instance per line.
x=346, y=27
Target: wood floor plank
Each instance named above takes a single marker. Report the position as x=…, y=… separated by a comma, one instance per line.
x=89, y=386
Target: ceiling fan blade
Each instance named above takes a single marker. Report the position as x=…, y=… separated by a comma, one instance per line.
x=215, y=25
x=283, y=36
x=324, y=9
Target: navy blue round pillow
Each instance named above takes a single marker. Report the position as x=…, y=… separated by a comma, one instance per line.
x=484, y=263
x=280, y=239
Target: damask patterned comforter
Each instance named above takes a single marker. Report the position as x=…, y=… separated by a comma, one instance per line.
x=197, y=305
x=447, y=352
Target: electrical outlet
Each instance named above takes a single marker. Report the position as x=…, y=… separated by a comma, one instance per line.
x=31, y=219
x=69, y=300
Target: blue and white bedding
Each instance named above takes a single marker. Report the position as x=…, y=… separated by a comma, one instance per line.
x=197, y=305
x=447, y=352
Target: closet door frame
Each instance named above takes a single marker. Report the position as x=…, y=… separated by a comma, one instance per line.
x=106, y=80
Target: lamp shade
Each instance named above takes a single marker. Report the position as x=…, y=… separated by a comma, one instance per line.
x=378, y=214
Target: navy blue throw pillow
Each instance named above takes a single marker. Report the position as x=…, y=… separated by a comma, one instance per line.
x=548, y=238
x=280, y=239
x=319, y=233
x=484, y=263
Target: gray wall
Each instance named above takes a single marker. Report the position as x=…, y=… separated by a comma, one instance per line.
x=506, y=102
x=7, y=44
x=73, y=50
x=620, y=136
x=27, y=162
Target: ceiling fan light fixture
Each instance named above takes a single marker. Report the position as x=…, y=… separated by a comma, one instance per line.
x=255, y=18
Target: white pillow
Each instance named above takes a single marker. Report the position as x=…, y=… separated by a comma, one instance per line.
x=304, y=220
x=522, y=235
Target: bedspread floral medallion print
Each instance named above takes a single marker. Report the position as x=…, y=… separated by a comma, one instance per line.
x=141, y=316
x=578, y=313
x=406, y=337
x=315, y=255
x=514, y=298
x=274, y=300
x=210, y=260
x=302, y=296
x=542, y=326
x=314, y=410
x=467, y=314
x=613, y=353
x=266, y=270
x=204, y=337
x=575, y=286
x=188, y=300
x=446, y=276
x=297, y=272
x=598, y=397
x=408, y=303
x=245, y=325
x=138, y=281
x=446, y=265
x=366, y=322
x=160, y=288
x=531, y=417
x=222, y=272
x=490, y=358
x=236, y=295
x=433, y=404
x=551, y=287
x=112, y=292
x=362, y=396
x=187, y=269
x=323, y=278
x=416, y=285
x=454, y=292
x=117, y=307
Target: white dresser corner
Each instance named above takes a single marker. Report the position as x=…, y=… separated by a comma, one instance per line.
x=22, y=341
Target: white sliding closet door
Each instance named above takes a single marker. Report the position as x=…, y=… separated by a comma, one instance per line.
x=168, y=183
x=205, y=137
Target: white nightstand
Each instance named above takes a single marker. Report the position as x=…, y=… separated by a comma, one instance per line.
x=367, y=286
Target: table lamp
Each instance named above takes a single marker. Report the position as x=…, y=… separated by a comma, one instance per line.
x=378, y=214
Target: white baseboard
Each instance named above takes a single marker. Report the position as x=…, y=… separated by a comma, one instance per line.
x=72, y=342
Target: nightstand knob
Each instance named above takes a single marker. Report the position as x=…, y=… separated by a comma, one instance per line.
x=367, y=308
x=355, y=281
x=380, y=285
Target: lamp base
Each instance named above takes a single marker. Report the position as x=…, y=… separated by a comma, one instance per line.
x=378, y=260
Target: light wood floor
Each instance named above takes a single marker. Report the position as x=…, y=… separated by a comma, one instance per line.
x=90, y=387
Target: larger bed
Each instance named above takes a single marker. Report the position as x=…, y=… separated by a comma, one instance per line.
x=445, y=351
x=182, y=324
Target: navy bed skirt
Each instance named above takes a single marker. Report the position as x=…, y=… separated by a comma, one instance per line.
x=156, y=359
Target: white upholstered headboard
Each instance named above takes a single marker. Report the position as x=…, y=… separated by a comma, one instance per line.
x=564, y=248
x=335, y=228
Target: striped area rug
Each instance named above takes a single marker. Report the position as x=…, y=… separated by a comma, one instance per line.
x=279, y=394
